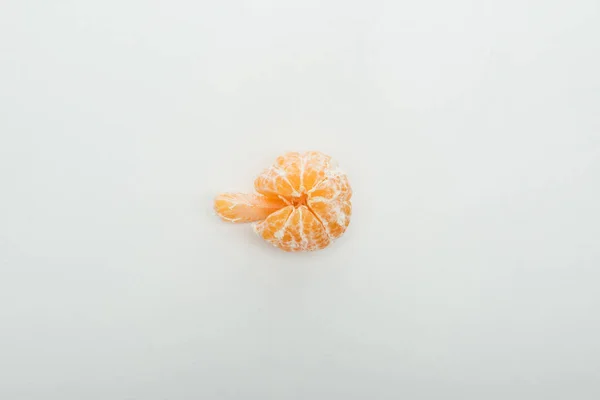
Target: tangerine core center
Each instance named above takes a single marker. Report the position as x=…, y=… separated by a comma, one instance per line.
x=300, y=200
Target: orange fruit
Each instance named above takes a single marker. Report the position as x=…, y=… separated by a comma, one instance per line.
x=302, y=202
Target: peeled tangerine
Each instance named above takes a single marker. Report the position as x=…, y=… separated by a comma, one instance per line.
x=302, y=202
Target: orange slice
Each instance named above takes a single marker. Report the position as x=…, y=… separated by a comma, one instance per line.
x=242, y=207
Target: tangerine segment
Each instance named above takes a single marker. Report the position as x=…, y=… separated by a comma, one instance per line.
x=282, y=178
x=317, y=167
x=334, y=215
x=271, y=228
x=334, y=187
x=294, y=173
x=242, y=207
x=294, y=229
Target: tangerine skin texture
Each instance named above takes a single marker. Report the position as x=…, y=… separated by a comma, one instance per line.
x=302, y=202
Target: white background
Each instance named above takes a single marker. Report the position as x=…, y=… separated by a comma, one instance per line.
x=470, y=131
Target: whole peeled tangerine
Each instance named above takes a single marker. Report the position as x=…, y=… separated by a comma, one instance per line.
x=302, y=202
